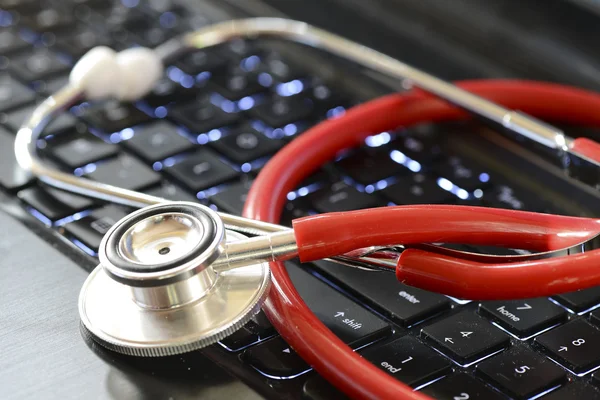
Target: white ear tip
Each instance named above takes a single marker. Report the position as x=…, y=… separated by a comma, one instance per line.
x=140, y=69
x=97, y=73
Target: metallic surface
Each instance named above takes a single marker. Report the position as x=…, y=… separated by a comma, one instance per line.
x=182, y=268
x=120, y=324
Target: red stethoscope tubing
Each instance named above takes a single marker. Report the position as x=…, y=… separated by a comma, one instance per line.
x=312, y=340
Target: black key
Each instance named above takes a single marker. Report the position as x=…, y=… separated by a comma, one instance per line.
x=48, y=20
x=368, y=167
x=580, y=300
x=294, y=209
x=465, y=337
x=417, y=189
x=82, y=151
x=574, y=391
x=461, y=387
x=351, y=322
x=54, y=204
x=166, y=91
x=50, y=85
x=171, y=192
x=13, y=94
x=503, y=196
x=200, y=61
x=12, y=177
x=237, y=84
x=147, y=30
x=246, y=144
x=256, y=330
x=113, y=116
x=201, y=170
x=404, y=304
x=80, y=40
x=280, y=69
x=524, y=317
x=158, y=140
x=575, y=345
x=595, y=318
x=232, y=199
x=11, y=42
x=317, y=388
x=91, y=229
x=408, y=360
x=280, y=111
x=341, y=197
x=521, y=373
x=126, y=172
x=423, y=149
x=463, y=173
x=202, y=116
x=37, y=64
x=275, y=358
x=64, y=122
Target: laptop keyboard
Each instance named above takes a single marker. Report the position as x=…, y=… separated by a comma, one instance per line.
x=205, y=131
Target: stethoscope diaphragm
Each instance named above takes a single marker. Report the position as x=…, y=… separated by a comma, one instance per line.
x=156, y=291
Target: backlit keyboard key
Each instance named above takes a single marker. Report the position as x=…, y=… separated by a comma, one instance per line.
x=126, y=172
x=158, y=140
x=54, y=204
x=524, y=317
x=574, y=391
x=37, y=64
x=317, y=388
x=521, y=373
x=404, y=304
x=275, y=358
x=82, y=151
x=575, y=345
x=367, y=167
x=417, y=189
x=246, y=144
x=580, y=300
x=113, y=116
x=351, y=322
x=91, y=229
x=201, y=116
x=200, y=61
x=257, y=329
x=465, y=337
x=171, y=192
x=341, y=197
x=201, y=170
x=280, y=111
x=11, y=42
x=13, y=94
x=461, y=387
x=236, y=84
x=463, y=173
x=408, y=360
x=232, y=198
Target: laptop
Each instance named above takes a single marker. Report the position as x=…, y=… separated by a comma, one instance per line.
x=229, y=109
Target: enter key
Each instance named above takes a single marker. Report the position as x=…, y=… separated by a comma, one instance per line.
x=351, y=322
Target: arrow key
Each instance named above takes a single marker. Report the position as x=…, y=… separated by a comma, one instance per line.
x=275, y=358
x=523, y=318
x=465, y=337
x=576, y=345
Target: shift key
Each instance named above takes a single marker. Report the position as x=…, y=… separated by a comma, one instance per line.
x=351, y=322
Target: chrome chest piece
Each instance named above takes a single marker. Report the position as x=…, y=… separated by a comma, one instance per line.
x=158, y=289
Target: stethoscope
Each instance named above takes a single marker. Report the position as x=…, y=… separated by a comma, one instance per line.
x=178, y=276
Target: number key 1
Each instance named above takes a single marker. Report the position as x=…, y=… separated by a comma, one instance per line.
x=575, y=345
